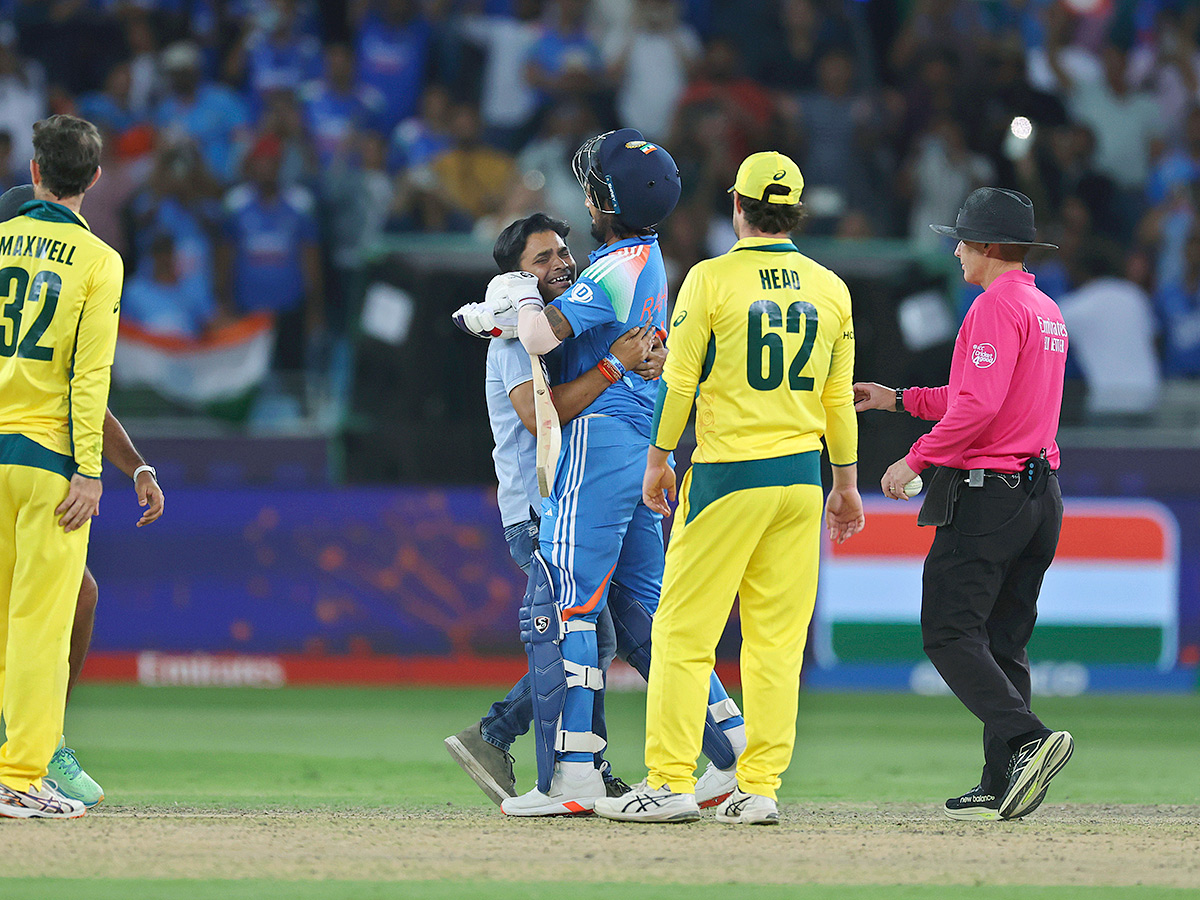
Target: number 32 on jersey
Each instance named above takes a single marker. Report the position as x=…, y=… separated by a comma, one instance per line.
x=15, y=288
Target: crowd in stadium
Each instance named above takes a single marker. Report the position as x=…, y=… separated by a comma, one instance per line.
x=255, y=148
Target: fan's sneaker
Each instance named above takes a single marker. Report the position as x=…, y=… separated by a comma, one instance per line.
x=46, y=803
x=1030, y=771
x=741, y=808
x=715, y=785
x=67, y=777
x=489, y=767
x=646, y=804
x=573, y=792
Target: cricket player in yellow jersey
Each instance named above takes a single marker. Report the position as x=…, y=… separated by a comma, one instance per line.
x=763, y=341
x=60, y=291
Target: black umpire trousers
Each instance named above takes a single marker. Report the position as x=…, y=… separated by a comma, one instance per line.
x=979, y=604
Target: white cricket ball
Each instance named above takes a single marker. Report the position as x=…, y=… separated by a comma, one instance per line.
x=1021, y=128
x=913, y=487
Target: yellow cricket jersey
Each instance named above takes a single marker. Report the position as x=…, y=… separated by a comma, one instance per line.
x=60, y=291
x=767, y=337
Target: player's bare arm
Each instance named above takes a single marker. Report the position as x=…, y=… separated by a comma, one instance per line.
x=119, y=450
x=558, y=323
x=571, y=398
x=844, y=509
x=82, y=502
x=658, y=484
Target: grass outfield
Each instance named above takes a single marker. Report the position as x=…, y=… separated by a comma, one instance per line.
x=297, y=748
x=224, y=786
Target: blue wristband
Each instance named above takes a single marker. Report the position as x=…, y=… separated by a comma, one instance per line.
x=616, y=364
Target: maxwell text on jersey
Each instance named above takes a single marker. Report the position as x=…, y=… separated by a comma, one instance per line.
x=37, y=247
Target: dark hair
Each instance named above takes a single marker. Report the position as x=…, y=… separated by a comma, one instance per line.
x=772, y=218
x=511, y=243
x=67, y=151
x=1004, y=252
x=1013, y=252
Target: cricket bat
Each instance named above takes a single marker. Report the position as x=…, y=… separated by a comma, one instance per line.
x=549, y=431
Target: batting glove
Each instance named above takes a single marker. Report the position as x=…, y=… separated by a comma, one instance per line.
x=484, y=321
x=518, y=288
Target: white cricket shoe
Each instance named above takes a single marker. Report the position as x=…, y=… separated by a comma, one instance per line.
x=34, y=804
x=574, y=790
x=748, y=809
x=646, y=804
x=714, y=785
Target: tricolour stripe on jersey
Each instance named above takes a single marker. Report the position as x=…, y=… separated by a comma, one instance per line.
x=563, y=553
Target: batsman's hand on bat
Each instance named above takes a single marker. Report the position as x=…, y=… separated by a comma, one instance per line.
x=82, y=502
x=844, y=514
x=151, y=496
x=658, y=481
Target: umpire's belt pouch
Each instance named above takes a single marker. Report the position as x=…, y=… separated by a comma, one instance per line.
x=937, y=509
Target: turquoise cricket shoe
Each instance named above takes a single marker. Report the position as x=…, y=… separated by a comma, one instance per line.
x=68, y=778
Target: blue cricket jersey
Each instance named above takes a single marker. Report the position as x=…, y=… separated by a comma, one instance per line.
x=625, y=285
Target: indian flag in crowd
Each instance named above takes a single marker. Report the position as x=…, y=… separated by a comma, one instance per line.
x=1111, y=596
x=225, y=365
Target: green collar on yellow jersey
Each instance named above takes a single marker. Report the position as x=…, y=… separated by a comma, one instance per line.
x=770, y=245
x=48, y=211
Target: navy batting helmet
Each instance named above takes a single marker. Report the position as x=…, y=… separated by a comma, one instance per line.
x=13, y=199
x=628, y=176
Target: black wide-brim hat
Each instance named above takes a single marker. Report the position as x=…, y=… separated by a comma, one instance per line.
x=995, y=216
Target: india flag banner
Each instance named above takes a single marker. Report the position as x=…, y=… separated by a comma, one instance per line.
x=1111, y=596
x=224, y=366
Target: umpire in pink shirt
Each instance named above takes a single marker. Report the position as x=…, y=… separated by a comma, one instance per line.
x=989, y=465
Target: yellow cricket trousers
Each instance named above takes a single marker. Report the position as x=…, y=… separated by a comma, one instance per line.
x=763, y=544
x=41, y=567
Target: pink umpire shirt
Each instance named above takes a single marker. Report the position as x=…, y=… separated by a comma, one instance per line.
x=1006, y=383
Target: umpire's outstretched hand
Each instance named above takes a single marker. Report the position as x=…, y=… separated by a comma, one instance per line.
x=869, y=395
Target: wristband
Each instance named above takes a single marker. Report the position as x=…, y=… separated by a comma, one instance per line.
x=611, y=368
x=899, y=399
x=616, y=366
x=140, y=469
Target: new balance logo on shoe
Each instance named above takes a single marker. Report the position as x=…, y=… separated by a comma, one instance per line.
x=975, y=804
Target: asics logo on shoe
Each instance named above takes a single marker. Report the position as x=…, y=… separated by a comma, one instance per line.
x=643, y=802
x=9, y=797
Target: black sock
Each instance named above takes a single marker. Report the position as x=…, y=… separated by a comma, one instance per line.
x=1021, y=740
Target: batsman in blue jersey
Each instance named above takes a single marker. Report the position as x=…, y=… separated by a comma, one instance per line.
x=595, y=528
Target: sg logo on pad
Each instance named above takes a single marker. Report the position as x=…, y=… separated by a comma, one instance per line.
x=541, y=624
